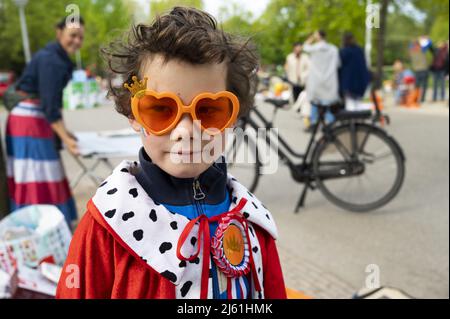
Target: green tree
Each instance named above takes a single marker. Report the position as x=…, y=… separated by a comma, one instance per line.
x=161, y=6
x=102, y=18
x=437, y=17
x=287, y=21
x=236, y=19
x=401, y=29
x=408, y=19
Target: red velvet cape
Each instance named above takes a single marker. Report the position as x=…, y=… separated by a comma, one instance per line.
x=100, y=265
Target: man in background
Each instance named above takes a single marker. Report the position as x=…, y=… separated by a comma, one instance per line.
x=418, y=54
x=296, y=68
x=439, y=69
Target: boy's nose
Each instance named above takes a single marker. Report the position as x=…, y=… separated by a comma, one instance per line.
x=184, y=128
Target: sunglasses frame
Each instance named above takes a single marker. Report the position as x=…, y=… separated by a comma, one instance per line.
x=183, y=109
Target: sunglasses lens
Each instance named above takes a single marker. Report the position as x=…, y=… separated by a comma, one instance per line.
x=214, y=114
x=157, y=114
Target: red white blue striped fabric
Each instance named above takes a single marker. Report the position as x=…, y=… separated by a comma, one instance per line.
x=238, y=288
x=34, y=168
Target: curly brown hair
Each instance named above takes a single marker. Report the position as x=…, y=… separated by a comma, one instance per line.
x=190, y=35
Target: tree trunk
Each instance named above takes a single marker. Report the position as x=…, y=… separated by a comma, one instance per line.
x=381, y=42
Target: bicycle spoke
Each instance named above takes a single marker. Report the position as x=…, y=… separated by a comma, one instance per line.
x=384, y=155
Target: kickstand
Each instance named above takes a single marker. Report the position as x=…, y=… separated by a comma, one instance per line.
x=301, y=200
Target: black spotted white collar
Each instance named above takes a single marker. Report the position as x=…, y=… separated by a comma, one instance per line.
x=151, y=232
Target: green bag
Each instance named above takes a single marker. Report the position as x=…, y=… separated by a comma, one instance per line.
x=11, y=97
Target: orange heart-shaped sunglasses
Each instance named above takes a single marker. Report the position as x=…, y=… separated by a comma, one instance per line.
x=159, y=113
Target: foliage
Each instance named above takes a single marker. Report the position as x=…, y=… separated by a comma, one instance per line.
x=161, y=6
x=101, y=17
x=281, y=24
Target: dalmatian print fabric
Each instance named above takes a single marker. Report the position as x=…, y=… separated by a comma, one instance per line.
x=151, y=231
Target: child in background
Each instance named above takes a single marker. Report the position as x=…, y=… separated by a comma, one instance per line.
x=404, y=84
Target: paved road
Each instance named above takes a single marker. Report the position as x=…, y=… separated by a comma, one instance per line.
x=408, y=239
x=325, y=250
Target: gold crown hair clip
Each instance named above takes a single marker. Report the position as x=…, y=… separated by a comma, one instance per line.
x=137, y=88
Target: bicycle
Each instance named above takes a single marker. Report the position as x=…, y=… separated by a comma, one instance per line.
x=345, y=152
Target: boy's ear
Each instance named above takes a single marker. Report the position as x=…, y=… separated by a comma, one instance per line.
x=135, y=125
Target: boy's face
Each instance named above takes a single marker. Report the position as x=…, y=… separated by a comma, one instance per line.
x=183, y=153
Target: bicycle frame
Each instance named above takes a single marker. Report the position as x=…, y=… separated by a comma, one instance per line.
x=300, y=172
x=378, y=117
x=287, y=150
x=303, y=171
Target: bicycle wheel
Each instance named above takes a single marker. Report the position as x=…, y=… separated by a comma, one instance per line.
x=243, y=161
x=360, y=180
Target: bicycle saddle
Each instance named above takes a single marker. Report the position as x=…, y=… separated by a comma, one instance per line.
x=280, y=103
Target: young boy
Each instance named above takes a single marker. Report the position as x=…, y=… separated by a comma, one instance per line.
x=176, y=225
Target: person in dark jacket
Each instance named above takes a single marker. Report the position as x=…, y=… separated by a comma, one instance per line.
x=439, y=69
x=35, y=129
x=354, y=75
